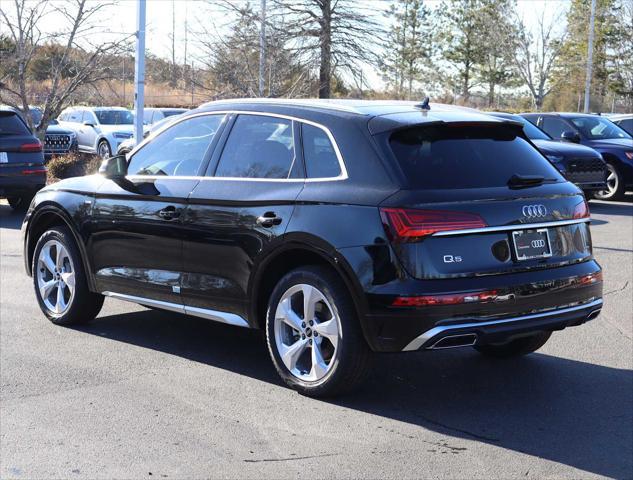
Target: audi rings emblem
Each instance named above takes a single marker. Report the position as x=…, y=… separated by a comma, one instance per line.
x=534, y=211
x=539, y=243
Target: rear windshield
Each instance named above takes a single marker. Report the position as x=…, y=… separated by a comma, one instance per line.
x=10, y=124
x=454, y=157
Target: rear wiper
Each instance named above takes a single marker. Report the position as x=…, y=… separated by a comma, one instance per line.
x=518, y=181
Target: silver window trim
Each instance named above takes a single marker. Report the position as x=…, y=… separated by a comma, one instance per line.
x=343, y=175
x=507, y=228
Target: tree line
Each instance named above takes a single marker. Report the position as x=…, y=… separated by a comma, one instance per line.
x=479, y=53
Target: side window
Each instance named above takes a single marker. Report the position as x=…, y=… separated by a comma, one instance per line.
x=626, y=124
x=319, y=154
x=258, y=147
x=75, y=116
x=555, y=126
x=177, y=151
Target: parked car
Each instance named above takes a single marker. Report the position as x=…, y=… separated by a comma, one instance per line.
x=36, y=114
x=22, y=170
x=127, y=146
x=99, y=130
x=624, y=121
x=59, y=140
x=612, y=142
x=578, y=164
x=337, y=227
x=153, y=115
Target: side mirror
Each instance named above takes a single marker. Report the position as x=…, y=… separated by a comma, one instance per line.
x=88, y=123
x=114, y=167
x=570, y=136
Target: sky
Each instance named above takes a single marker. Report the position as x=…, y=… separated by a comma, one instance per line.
x=191, y=15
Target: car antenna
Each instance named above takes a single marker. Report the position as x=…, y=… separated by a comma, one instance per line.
x=424, y=105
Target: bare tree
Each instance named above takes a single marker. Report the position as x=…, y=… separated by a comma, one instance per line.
x=335, y=34
x=81, y=59
x=536, y=54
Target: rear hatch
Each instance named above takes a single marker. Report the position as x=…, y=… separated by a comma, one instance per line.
x=480, y=200
x=21, y=154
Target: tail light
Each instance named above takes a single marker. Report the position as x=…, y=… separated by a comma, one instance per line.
x=581, y=210
x=31, y=147
x=450, y=299
x=34, y=171
x=408, y=225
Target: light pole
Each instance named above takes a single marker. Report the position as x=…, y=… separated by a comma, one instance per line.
x=139, y=72
x=592, y=20
x=262, y=48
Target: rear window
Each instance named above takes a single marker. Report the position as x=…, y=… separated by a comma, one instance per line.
x=452, y=157
x=10, y=124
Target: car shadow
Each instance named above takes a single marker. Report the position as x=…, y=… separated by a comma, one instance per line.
x=9, y=218
x=611, y=208
x=566, y=411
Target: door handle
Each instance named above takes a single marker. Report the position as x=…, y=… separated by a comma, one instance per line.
x=169, y=213
x=269, y=219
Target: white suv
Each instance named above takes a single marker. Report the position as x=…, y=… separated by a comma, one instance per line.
x=99, y=130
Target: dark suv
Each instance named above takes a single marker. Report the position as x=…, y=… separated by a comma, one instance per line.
x=339, y=228
x=22, y=170
x=612, y=142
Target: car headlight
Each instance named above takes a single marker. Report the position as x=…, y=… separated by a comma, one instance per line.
x=124, y=135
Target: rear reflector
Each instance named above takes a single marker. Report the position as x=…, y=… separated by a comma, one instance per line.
x=34, y=171
x=31, y=147
x=408, y=225
x=450, y=299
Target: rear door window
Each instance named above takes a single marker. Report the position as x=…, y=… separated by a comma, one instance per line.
x=450, y=157
x=319, y=154
x=10, y=124
x=258, y=146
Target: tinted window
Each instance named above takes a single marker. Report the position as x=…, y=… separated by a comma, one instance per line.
x=555, y=126
x=444, y=157
x=627, y=125
x=115, y=117
x=258, y=147
x=10, y=124
x=318, y=151
x=533, y=132
x=597, y=128
x=177, y=151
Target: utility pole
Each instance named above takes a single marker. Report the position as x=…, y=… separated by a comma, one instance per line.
x=592, y=20
x=262, y=48
x=139, y=71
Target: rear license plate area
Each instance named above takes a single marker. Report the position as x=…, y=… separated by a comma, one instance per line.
x=531, y=244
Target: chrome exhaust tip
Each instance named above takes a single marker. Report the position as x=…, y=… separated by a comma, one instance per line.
x=593, y=314
x=455, y=341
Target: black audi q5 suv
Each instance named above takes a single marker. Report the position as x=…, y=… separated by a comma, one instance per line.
x=339, y=228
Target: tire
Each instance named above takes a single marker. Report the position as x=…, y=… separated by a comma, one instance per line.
x=20, y=203
x=78, y=304
x=103, y=149
x=340, y=345
x=615, y=185
x=515, y=348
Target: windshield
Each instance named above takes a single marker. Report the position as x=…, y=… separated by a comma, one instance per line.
x=598, y=128
x=448, y=157
x=169, y=113
x=115, y=117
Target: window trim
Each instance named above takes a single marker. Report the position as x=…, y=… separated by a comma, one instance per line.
x=230, y=115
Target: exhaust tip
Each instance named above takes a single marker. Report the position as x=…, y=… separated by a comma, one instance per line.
x=594, y=314
x=455, y=341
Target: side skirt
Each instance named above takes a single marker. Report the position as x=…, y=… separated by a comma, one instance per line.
x=217, y=316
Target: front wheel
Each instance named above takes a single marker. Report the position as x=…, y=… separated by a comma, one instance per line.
x=515, y=348
x=615, y=186
x=313, y=334
x=60, y=282
x=103, y=149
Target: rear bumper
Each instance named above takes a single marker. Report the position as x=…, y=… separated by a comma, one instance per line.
x=503, y=329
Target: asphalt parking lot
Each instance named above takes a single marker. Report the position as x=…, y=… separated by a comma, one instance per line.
x=145, y=394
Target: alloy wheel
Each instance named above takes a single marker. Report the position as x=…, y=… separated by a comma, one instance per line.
x=306, y=332
x=612, y=183
x=104, y=150
x=55, y=277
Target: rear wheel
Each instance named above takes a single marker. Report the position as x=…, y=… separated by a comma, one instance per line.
x=515, y=348
x=19, y=202
x=60, y=281
x=313, y=335
x=615, y=186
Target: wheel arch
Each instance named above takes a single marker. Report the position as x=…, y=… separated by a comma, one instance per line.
x=293, y=254
x=47, y=216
